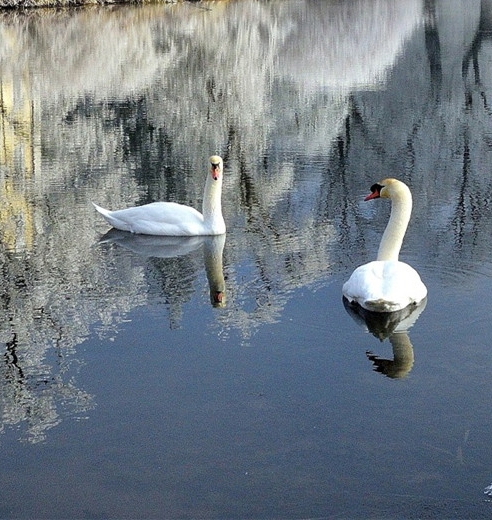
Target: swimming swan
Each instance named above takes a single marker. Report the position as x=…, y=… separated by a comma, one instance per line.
x=388, y=285
x=172, y=219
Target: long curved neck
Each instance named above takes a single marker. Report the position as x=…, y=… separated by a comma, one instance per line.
x=211, y=205
x=401, y=209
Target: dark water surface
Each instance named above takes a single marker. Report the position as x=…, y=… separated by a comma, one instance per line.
x=125, y=391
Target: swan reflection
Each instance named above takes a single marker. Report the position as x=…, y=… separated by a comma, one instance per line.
x=171, y=247
x=393, y=326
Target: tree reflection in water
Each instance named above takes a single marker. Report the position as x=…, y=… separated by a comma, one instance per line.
x=127, y=115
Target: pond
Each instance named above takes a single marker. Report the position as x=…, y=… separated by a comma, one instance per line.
x=128, y=388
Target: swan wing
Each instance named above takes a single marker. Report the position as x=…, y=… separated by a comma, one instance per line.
x=157, y=218
x=385, y=286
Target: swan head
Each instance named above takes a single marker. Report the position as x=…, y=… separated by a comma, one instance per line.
x=387, y=189
x=216, y=167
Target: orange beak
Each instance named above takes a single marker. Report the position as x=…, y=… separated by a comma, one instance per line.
x=215, y=171
x=373, y=195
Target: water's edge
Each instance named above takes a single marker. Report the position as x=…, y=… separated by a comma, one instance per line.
x=22, y=4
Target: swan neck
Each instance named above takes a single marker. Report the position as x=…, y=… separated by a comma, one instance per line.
x=211, y=205
x=401, y=209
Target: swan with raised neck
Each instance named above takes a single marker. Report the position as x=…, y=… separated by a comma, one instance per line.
x=401, y=210
x=172, y=219
x=386, y=284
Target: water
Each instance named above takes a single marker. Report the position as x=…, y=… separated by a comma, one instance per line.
x=224, y=378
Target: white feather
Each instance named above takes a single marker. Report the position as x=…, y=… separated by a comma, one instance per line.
x=172, y=219
x=386, y=284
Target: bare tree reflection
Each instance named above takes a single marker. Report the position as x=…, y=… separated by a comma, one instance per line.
x=433, y=47
x=118, y=120
x=306, y=101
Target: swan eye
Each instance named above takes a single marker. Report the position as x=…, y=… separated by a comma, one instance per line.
x=376, y=188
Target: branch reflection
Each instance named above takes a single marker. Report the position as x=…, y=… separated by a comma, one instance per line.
x=118, y=105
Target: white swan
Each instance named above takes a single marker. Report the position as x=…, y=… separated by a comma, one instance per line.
x=388, y=285
x=172, y=219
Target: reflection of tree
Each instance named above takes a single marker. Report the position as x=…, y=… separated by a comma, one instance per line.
x=144, y=95
x=433, y=47
x=33, y=390
x=471, y=59
x=431, y=128
x=471, y=204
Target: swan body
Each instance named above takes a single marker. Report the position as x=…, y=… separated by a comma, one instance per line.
x=386, y=284
x=172, y=219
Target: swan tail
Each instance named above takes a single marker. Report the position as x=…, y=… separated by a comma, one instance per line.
x=102, y=211
x=111, y=219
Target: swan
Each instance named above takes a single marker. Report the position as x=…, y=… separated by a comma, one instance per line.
x=172, y=219
x=386, y=284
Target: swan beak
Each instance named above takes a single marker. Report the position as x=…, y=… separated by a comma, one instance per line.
x=375, y=192
x=373, y=195
x=215, y=171
x=217, y=298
